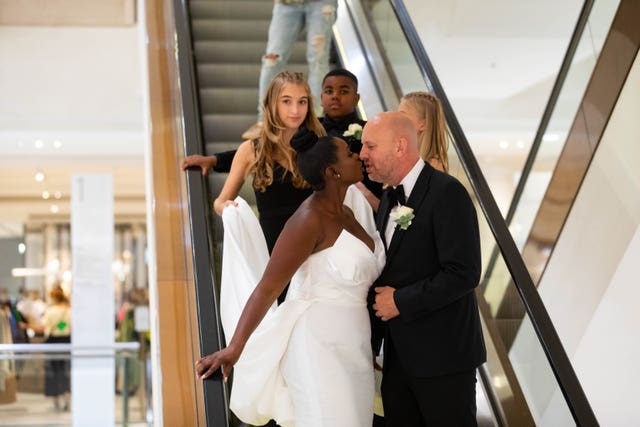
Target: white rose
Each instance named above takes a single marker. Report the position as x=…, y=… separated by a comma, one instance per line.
x=400, y=211
x=352, y=129
x=403, y=216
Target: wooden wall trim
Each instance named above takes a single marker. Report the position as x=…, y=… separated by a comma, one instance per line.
x=178, y=344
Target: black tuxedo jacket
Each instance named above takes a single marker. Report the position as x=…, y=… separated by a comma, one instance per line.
x=434, y=266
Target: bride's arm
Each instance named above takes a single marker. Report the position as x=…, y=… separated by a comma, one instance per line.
x=296, y=242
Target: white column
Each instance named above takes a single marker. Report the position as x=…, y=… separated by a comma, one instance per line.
x=92, y=378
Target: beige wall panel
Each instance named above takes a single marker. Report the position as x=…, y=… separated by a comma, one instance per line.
x=111, y=13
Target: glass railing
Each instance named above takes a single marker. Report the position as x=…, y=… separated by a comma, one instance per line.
x=552, y=133
x=523, y=400
x=31, y=374
x=555, y=124
x=561, y=113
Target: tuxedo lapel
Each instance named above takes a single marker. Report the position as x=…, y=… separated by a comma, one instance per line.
x=415, y=200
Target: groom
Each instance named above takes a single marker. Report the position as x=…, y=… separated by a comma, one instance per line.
x=424, y=302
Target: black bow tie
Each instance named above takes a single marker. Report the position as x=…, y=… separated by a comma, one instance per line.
x=396, y=195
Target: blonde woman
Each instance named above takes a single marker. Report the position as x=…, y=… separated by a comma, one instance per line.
x=270, y=160
x=425, y=111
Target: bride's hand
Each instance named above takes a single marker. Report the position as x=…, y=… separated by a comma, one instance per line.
x=219, y=205
x=224, y=359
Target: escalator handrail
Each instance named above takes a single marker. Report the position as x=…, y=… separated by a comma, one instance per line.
x=559, y=361
x=209, y=330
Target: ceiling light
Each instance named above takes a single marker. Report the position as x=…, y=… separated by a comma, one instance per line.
x=504, y=144
x=39, y=143
x=45, y=194
x=54, y=208
x=22, y=248
x=57, y=195
x=39, y=176
x=57, y=144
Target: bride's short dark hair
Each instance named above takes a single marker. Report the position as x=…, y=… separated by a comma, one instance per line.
x=314, y=155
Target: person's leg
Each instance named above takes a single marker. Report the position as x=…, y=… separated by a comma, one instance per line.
x=449, y=400
x=286, y=23
x=400, y=405
x=320, y=17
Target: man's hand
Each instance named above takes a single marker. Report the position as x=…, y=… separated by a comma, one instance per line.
x=204, y=163
x=385, y=306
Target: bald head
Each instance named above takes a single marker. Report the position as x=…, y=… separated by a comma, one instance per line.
x=390, y=147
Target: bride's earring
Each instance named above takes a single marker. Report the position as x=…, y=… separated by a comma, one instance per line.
x=338, y=176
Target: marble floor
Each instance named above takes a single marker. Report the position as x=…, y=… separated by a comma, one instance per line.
x=34, y=409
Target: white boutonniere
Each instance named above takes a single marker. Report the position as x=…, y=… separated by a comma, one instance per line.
x=402, y=215
x=353, y=131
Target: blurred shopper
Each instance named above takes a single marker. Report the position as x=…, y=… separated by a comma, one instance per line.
x=288, y=19
x=56, y=325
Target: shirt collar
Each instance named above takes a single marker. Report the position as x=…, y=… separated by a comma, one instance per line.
x=337, y=127
x=410, y=179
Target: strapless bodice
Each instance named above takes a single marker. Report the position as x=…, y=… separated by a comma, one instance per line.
x=340, y=274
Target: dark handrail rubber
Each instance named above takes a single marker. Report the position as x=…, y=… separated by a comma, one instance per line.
x=209, y=327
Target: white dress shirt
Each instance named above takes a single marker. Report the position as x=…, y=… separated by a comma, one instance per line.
x=408, y=182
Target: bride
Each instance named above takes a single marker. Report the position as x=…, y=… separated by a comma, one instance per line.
x=308, y=363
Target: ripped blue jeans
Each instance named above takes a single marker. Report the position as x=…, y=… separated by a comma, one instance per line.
x=287, y=21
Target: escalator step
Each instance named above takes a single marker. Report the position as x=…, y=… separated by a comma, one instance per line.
x=228, y=100
x=226, y=127
x=217, y=147
x=235, y=75
x=241, y=52
x=217, y=29
x=233, y=9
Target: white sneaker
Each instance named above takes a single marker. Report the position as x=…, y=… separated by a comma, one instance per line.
x=253, y=132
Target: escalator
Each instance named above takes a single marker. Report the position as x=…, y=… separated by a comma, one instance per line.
x=389, y=70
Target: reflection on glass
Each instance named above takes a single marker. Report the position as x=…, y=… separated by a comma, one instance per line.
x=565, y=110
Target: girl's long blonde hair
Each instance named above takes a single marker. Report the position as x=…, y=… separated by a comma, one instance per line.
x=433, y=142
x=271, y=140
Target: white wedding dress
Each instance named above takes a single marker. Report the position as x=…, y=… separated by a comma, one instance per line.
x=309, y=361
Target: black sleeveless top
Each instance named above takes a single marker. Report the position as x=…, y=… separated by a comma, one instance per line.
x=278, y=202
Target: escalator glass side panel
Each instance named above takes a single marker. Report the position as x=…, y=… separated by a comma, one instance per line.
x=567, y=106
x=590, y=283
